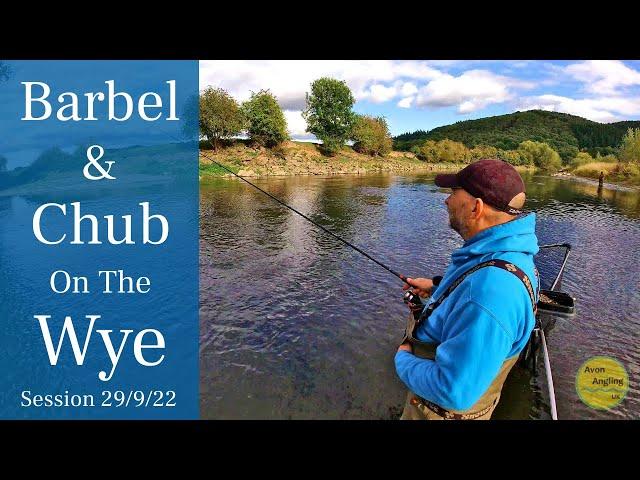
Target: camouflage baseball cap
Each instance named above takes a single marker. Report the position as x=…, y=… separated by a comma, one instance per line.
x=496, y=182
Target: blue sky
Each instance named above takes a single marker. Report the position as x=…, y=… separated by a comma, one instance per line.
x=426, y=94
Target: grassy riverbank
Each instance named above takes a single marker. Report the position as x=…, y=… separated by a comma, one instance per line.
x=621, y=173
x=303, y=158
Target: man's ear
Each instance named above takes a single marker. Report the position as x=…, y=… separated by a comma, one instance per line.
x=478, y=208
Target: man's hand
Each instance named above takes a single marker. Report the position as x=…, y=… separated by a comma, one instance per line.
x=420, y=286
x=406, y=346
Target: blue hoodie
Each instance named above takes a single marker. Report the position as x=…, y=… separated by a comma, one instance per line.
x=487, y=319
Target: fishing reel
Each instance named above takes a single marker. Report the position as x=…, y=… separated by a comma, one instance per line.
x=413, y=300
x=414, y=303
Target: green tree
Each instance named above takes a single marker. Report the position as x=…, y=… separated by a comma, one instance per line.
x=450, y=151
x=540, y=154
x=582, y=158
x=444, y=151
x=483, y=151
x=371, y=136
x=512, y=156
x=415, y=149
x=630, y=146
x=566, y=152
x=428, y=152
x=329, y=113
x=609, y=159
x=265, y=121
x=220, y=116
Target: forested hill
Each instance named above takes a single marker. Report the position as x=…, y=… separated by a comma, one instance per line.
x=567, y=134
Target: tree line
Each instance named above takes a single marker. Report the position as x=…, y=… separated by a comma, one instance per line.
x=329, y=115
x=547, y=140
x=528, y=153
x=566, y=134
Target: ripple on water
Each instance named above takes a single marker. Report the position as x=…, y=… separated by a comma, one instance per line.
x=296, y=325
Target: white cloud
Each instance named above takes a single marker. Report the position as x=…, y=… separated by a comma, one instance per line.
x=550, y=68
x=419, y=84
x=416, y=70
x=415, y=83
x=406, y=102
x=603, y=77
x=447, y=63
x=471, y=91
x=602, y=109
x=296, y=124
x=408, y=88
x=289, y=80
x=464, y=64
x=468, y=107
x=378, y=93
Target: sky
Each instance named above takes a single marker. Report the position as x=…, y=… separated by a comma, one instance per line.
x=422, y=95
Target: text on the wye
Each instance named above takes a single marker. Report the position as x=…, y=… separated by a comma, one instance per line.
x=68, y=330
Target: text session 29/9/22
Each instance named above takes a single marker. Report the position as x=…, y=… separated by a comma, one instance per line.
x=107, y=399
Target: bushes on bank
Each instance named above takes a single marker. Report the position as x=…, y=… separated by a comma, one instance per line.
x=540, y=154
x=443, y=151
x=483, y=151
x=582, y=158
x=266, y=124
x=220, y=116
x=371, y=136
x=630, y=147
x=512, y=156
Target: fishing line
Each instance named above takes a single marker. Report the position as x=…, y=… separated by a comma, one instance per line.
x=400, y=276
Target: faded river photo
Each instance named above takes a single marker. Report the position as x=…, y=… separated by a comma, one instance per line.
x=295, y=325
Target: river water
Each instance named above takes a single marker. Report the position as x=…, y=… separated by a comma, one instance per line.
x=294, y=325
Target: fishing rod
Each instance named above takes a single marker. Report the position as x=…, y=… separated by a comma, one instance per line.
x=399, y=275
x=409, y=297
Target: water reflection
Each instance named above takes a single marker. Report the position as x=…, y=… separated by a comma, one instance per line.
x=296, y=325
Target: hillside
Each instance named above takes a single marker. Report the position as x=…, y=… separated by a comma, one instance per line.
x=567, y=134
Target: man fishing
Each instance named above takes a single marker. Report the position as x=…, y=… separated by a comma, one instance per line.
x=460, y=347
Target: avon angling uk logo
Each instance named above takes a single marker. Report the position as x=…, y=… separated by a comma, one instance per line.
x=602, y=382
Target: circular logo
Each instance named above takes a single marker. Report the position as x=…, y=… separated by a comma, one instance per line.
x=602, y=382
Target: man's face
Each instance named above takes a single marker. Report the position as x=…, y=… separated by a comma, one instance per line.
x=459, y=205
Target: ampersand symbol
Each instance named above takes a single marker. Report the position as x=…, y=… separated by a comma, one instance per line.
x=93, y=161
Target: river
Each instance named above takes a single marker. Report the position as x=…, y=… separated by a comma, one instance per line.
x=294, y=325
